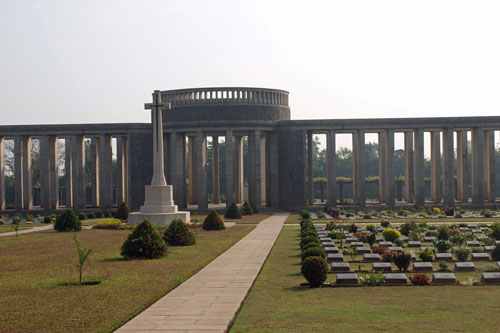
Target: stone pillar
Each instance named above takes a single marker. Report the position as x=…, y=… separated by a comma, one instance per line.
x=477, y=166
x=263, y=173
x=78, y=170
x=105, y=171
x=310, y=180
x=382, y=181
x=192, y=174
x=331, y=194
x=436, y=185
x=229, y=164
x=2, y=173
x=254, y=179
x=68, y=172
x=238, y=170
x=27, y=173
x=274, y=176
x=462, y=167
x=178, y=140
x=121, y=153
x=390, y=183
x=53, y=173
x=94, y=171
x=354, y=165
x=448, y=168
x=361, y=169
x=44, y=173
x=419, y=167
x=201, y=168
x=215, y=170
x=409, y=168
x=489, y=166
x=166, y=147
x=18, y=173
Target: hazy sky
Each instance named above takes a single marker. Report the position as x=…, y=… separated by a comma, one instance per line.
x=98, y=61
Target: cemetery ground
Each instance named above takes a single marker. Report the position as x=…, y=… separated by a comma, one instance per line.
x=35, y=266
x=278, y=302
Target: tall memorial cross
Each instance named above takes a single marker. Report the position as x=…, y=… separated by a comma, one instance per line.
x=156, y=111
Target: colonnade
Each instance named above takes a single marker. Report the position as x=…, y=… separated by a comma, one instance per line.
x=76, y=178
x=482, y=187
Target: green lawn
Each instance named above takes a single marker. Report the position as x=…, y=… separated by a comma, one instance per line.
x=34, y=265
x=277, y=303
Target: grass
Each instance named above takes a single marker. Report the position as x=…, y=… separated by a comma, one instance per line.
x=8, y=227
x=277, y=303
x=246, y=219
x=35, y=267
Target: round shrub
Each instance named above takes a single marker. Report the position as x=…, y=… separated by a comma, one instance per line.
x=308, y=233
x=68, y=221
x=122, y=212
x=304, y=213
x=47, y=219
x=310, y=245
x=442, y=245
x=315, y=270
x=463, y=253
x=426, y=255
x=307, y=240
x=232, y=212
x=90, y=215
x=98, y=215
x=82, y=216
x=213, y=222
x=178, y=234
x=402, y=260
x=419, y=280
x=246, y=209
x=495, y=231
x=144, y=242
x=313, y=252
x=373, y=279
x=391, y=234
x=496, y=253
x=443, y=233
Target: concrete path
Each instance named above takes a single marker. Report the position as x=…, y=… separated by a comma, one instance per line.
x=27, y=231
x=210, y=299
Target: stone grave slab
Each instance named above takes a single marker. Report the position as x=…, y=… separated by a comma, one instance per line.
x=498, y=263
x=363, y=249
x=477, y=231
x=482, y=256
x=472, y=243
x=424, y=247
x=10, y=221
x=36, y=221
x=472, y=226
x=331, y=249
x=489, y=248
x=395, y=278
x=385, y=243
x=429, y=239
x=23, y=221
x=395, y=248
x=404, y=238
x=497, y=242
x=379, y=239
x=328, y=217
x=422, y=267
x=313, y=216
x=380, y=229
x=490, y=278
x=351, y=239
x=325, y=239
x=381, y=267
x=371, y=257
x=355, y=244
x=482, y=238
x=347, y=278
x=443, y=278
x=340, y=267
x=464, y=266
x=463, y=228
x=414, y=243
x=334, y=257
x=325, y=244
x=445, y=256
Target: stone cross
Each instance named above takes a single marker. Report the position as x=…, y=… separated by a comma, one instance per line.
x=156, y=108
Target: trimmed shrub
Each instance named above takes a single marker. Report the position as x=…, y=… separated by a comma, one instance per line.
x=379, y=249
x=388, y=256
x=442, y=245
x=443, y=233
x=373, y=279
x=399, y=242
x=122, y=212
x=47, y=219
x=313, y=252
x=385, y=223
x=495, y=231
x=232, y=212
x=254, y=209
x=371, y=239
x=213, y=222
x=82, y=216
x=178, y=234
x=311, y=245
x=144, y=242
x=110, y=224
x=426, y=255
x=304, y=213
x=307, y=240
x=106, y=214
x=353, y=228
x=496, y=253
x=315, y=270
x=391, y=234
x=402, y=260
x=90, y=215
x=307, y=233
x=371, y=228
x=98, y=215
x=68, y=221
x=419, y=280
x=246, y=209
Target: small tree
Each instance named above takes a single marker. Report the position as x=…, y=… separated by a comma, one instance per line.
x=122, y=212
x=232, y=212
x=178, y=234
x=246, y=209
x=68, y=221
x=144, y=242
x=315, y=270
x=213, y=222
x=83, y=256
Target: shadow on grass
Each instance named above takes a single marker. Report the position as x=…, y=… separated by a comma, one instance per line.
x=295, y=256
x=114, y=259
x=294, y=274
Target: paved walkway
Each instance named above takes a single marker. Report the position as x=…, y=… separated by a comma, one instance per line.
x=210, y=299
x=27, y=231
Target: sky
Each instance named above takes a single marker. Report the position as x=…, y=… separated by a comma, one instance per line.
x=65, y=61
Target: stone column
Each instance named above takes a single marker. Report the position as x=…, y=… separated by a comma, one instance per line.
x=229, y=164
x=18, y=172
x=310, y=180
x=121, y=152
x=254, y=180
x=361, y=169
x=238, y=170
x=191, y=171
x=462, y=167
x=44, y=173
x=390, y=189
x=68, y=172
x=201, y=168
x=409, y=168
x=436, y=185
x=448, y=168
x=78, y=170
x=489, y=166
x=215, y=170
x=477, y=166
x=263, y=173
x=53, y=173
x=354, y=165
x=105, y=171
x=2, y=173
x=382, y=181
x=331, y=194
x=94, y=171
x=178, y=140
x=274, y=176
x=27, y=173
x=419, y=167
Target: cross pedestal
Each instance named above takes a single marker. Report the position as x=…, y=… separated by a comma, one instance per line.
x=158, y=206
